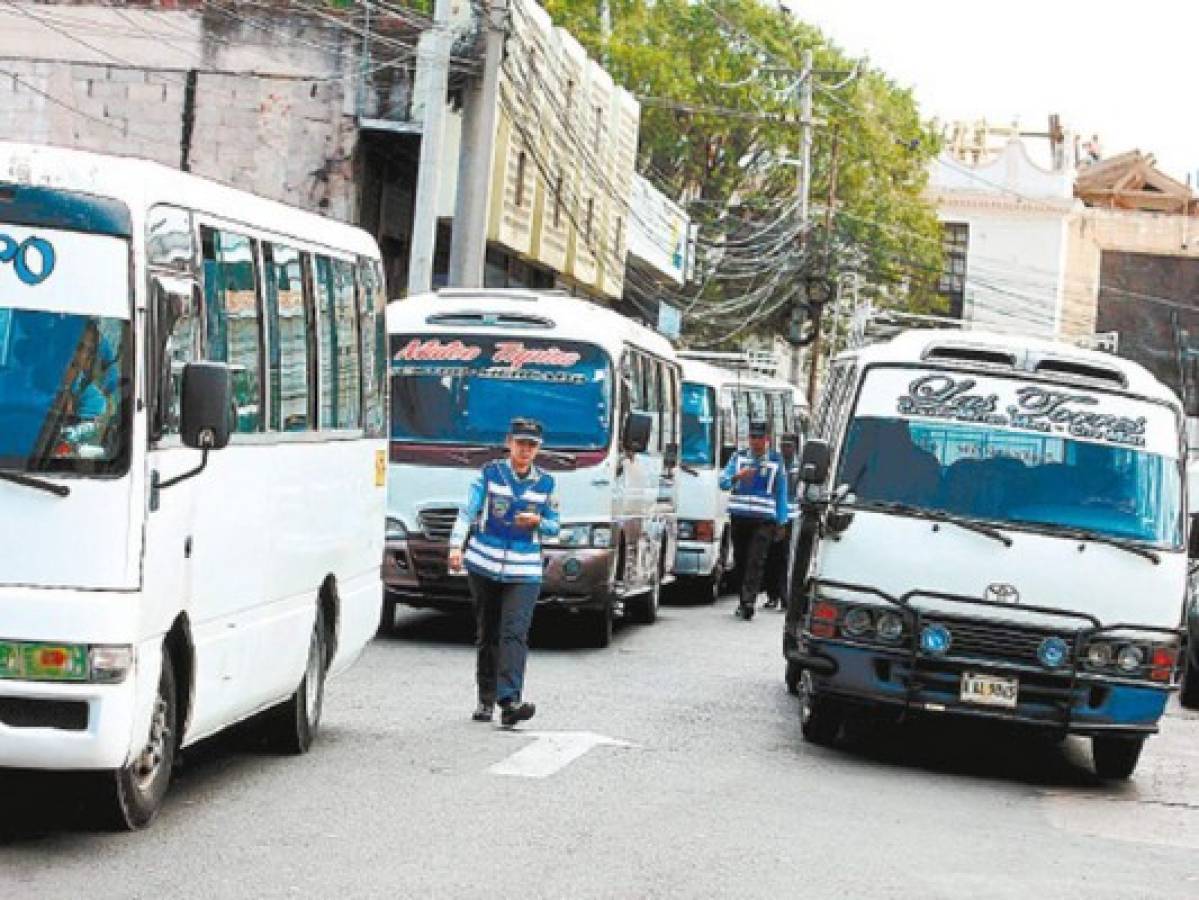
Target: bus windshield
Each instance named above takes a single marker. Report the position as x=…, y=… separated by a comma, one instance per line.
x=1043, y=459
x=65, y=361
x=699, y=425
x=465, y=390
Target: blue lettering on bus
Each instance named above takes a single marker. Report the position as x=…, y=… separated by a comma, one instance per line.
x=22, y=256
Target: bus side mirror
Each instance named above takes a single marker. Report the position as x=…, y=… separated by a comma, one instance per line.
x=207, y=398
x=1193, y=538
x=814, y=464
x=638, y=428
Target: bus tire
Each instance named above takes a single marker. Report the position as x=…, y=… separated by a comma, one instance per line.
x=643, y=609
x=387, y=616
x=1189, y=695
x=132, y=796
x=599, y=627
x=1116, y=757
x=292, y=725
x=820, y=718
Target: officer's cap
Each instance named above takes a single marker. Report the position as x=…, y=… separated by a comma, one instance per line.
x=759, y=430
x=525, y=430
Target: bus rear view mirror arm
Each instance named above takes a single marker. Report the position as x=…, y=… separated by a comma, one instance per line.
x=206, y=413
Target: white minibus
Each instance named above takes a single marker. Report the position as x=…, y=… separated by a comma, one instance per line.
x=606, y=391
x=994, y=527
x=157, y=585
x=718, y=405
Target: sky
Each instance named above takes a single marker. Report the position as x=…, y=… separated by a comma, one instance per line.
x=1126, y=72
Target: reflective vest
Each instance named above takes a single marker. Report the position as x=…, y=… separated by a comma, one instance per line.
x=756, y=498
x=793, y=492
x=499, y=549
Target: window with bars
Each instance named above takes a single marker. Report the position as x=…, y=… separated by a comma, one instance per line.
x=955, y=238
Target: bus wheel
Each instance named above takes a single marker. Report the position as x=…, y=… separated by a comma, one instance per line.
x=599, y=626
x=134, y=794
x=1189, y=696
x=387, y=616
x=819, y=717
x=1116, y=757
x=792, y=676
x=292, y=726
x=644, y=608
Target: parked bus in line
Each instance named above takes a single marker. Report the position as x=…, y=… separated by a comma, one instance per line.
x=606, y=391
x=157, y=585
x=718, y=405
x=1002, y=535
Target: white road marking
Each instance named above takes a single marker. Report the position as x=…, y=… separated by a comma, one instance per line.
x=550, y=752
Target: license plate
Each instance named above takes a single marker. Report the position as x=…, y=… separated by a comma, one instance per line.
x=987, y=690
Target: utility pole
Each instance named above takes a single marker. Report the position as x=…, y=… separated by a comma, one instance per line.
x=476, y=158
x=818, y=319
x=805, y=150
x=433, y=73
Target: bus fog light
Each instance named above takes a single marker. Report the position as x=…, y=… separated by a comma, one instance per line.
x=1053, y=652
x=1130, y=658
x=1099, y=656
x=111, y=663
x=858, y=622
x=572, y=568
x=935, y=640
x=889, y=626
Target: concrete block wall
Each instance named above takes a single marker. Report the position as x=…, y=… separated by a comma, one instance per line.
x=283, y=137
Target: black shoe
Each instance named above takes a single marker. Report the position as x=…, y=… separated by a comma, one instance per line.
x=515, y=713
x=771, y=604
x=484, y=712
x=745, y=611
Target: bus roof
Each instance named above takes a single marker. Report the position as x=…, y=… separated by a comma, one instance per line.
x=518, y=312
x=992, y=353
x=141, y=184
x=700, y=372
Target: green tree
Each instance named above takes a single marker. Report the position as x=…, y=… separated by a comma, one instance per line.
x=719, y=83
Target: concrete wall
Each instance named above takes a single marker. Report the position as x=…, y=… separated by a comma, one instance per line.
x=260, y=99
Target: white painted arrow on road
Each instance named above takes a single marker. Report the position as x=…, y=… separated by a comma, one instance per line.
x=550, y=752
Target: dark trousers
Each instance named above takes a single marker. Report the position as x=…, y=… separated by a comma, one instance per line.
x=503, y=614
x=752, y=539
x=776, y=567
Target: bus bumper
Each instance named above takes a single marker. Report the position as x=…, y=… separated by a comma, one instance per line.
x=415, y=573
x=66, y=726
x=869, y=677
x=696, y=558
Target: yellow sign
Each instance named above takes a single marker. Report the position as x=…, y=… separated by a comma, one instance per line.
x=380, y=468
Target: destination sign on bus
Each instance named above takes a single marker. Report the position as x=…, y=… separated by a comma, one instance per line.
x=510, y=353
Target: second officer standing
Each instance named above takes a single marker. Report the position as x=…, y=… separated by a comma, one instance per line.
x=758, y=510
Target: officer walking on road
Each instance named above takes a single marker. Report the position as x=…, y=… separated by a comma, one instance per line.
x=497, y=536
x=757, y=510
x=776, y=560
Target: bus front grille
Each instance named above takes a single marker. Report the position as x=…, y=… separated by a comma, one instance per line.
x=999, y=641
x=437, y=523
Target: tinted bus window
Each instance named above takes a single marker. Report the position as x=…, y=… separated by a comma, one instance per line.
x=699, y=425
x=234, y=326
x=287, y=312
x=341, y=387
x=373, y=331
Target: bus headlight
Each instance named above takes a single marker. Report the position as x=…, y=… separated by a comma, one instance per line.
x=109, y=664
x=601, y=536
x=1099, y=656
x=396, y=530
x=574, y=535
x=1130, y=658
x=857, y=622
x=889, y=626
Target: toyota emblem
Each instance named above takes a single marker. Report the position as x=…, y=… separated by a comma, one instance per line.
x=1001, y=593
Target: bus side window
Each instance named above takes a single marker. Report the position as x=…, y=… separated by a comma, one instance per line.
x=653, y=391
x=180, y=347
x=233, y=319
x=373, y=331
x=341, y=370
x=670, y=406
x=289, y=318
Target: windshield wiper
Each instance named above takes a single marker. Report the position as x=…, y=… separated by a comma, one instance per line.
x=59, y=490
x=1083, y=534
x=559, y=455
x=936, y=515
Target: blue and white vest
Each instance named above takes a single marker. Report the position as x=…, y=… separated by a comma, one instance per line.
x=793, y=492
x=756, y=498
x=498, y=549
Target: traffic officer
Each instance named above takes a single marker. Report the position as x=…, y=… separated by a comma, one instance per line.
x=776, y=560
x=497, y=536
x=757, y=509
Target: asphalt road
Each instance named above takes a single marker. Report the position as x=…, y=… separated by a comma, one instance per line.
x=712, y=792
